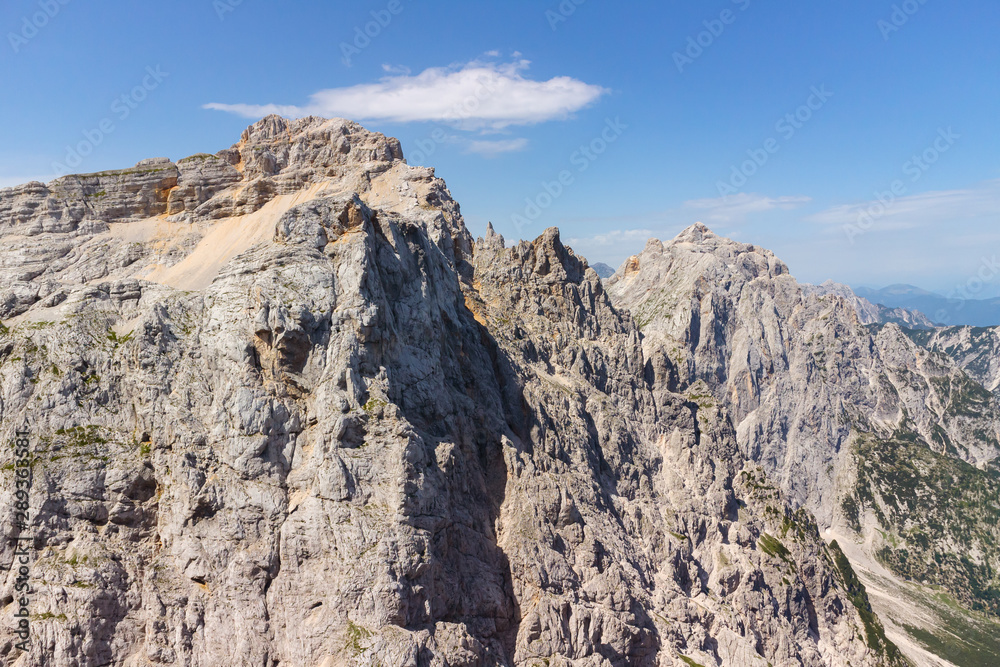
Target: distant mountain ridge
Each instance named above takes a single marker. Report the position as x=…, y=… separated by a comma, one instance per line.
x=872, y=313
x=603, y=270
x=942, y=310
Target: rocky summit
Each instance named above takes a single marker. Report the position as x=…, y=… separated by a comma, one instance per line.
x=283, y=410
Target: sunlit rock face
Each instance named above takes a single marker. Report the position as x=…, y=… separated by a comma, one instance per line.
x=286, y=411
x=887, y=431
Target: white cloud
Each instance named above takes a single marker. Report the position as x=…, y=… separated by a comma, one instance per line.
x=396, y=69
x=492, y=54
x=495, y=148
x=736, y=208
x=475, y=96
x=908, y=212
x=938, y=240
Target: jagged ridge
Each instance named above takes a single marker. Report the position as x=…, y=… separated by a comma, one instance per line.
x=358, y=438
x=834, y=410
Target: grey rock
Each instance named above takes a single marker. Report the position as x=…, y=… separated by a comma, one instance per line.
x=976, y=350
x=872, y=313
x=302, y=418
x=813, y=392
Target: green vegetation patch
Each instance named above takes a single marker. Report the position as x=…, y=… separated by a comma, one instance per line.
x=858, y=595
x=689, y=662
x=117, y=340
x=79, y=442
x=48, y=616
x=852, y=512
x=38, y=326
x=955, y=649
x=941, y=516
x=961, y=636
x=199, y=157
x=772, y=546
x=355, y=636
x=82, y=436
x=800, y=525
x=962, y=396
x=374, y=405
x=700, y=393
x=921, y=337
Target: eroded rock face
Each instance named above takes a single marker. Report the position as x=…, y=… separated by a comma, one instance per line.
x=137, y=222
x=976, y=350
x=666, y=528
x=860, y=423
x=286, y=412
x=872, y=313
x=797, y=367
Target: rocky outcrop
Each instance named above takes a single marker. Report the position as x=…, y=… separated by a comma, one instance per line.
x=871, y=313
x=666, y=517
x=286, y=412
x=975, y=350
x=836, y=412
x=146, y=221
x=794, y=367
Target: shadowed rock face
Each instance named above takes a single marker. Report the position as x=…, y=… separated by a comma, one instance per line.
x=286, y=412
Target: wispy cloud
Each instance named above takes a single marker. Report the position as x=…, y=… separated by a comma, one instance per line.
x=396, y=69
x=474, y=96
x=498, y=147
x=616, y=236
x=736, y=208
x=611, y=247
x=616, y=245
x=929, y=208
x=720, y=211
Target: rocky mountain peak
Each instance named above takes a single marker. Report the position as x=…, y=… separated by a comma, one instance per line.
x=549, y=257
x=178, y=223
x=492, y=239
x=317, y=146
x=838, y=399
x=745, y=258
x=270, y=128
x=284, y=409
x=276, y=129
x=697, y=261
x=694, y=234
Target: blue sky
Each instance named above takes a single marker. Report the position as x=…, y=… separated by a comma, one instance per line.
x=685, y=108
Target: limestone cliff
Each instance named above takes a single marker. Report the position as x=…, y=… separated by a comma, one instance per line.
x=874, y=428
x=285, y=411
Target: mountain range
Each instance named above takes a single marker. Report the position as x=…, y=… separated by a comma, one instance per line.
x=285, y=410
x=946, y=311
